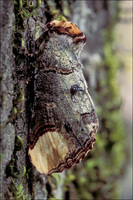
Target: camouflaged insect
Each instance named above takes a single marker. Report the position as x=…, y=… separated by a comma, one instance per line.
x=64, y=122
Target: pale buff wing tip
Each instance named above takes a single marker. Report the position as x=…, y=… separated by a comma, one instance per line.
x=51, y=153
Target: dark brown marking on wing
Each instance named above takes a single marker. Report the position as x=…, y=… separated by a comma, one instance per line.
x=57, y=70
x=90, y=117
x=39, y=132
x=76, y=156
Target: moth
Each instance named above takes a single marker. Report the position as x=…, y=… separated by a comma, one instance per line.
x=64, y=121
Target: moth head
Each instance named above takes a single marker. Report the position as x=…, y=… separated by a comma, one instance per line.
x=67, y=28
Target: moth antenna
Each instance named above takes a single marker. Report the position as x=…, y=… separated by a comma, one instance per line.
x=40, y=24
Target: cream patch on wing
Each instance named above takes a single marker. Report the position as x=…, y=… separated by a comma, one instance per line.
x=48, y=152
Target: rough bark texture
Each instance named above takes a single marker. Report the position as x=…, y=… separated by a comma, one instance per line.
x=7, y=88
x=17, y=88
